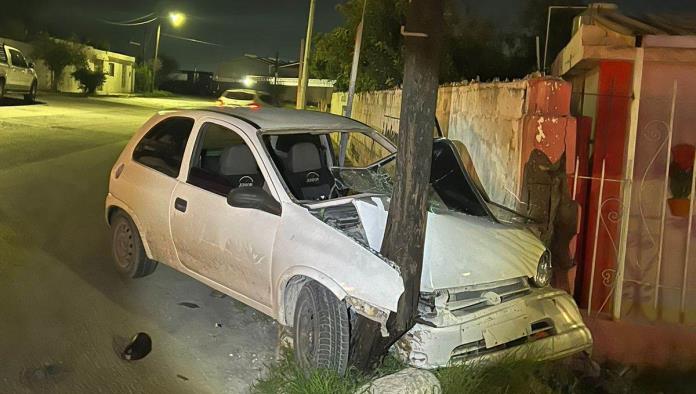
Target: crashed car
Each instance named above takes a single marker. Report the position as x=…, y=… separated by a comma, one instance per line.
x=285, y=211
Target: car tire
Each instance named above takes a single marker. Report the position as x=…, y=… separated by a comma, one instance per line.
x=31, y=96
x=2, y=89
x=321, y=330
x=127, y=248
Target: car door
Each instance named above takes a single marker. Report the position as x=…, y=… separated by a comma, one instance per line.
x=148, y=181
x=20, y=71
x=227, y=245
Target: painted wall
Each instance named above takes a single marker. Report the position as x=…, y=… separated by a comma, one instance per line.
x=499, y=122
x=647, y=201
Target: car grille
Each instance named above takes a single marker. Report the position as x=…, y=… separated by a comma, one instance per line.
x=540, y=329
x=471, y=299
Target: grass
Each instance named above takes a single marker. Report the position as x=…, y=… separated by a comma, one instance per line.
x=285, y=376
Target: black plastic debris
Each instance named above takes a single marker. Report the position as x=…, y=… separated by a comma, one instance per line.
x=182, y=377
x=189, y=304
x=139, y=347
x=218, y=325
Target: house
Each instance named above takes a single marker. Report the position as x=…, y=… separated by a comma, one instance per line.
x=633, y=93
x=118, y=68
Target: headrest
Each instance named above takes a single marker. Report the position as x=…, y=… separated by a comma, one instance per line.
x=237, y=160
x=304, y=157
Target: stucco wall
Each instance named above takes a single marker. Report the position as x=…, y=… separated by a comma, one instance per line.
x=489, y=118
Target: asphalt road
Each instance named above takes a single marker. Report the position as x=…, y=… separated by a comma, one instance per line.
x=64, y=311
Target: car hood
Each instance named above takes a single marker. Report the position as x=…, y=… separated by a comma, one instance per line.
x=460, y=249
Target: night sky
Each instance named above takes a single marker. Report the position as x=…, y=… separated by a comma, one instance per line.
x=261, y=27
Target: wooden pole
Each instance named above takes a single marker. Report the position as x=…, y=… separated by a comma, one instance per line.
x=404, y=236
x=304, y=77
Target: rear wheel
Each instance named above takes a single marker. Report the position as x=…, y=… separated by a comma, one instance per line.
x=2, y=89
x=30, y=97
x=321, y=329
x=127, y=248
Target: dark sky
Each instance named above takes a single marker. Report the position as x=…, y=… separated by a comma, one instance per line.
x=242, y=26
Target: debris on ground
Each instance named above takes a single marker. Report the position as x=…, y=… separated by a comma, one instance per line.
x=218, y=325
x=139, y=347
x=217, y=294
x=182, y=377
x=189, y=304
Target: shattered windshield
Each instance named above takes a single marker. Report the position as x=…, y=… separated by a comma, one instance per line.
x=324, y=165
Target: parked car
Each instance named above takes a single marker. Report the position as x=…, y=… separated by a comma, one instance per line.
x=17, y=74
x=259, y=204
x=245, y=98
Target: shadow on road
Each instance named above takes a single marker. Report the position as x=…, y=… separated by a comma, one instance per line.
x=15, y=102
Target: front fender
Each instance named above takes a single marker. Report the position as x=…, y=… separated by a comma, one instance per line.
x=306, y=246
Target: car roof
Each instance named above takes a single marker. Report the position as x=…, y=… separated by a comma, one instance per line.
x=286, y=119
x=252, y=91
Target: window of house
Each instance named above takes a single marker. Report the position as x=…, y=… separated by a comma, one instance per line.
x=222, y=161
x=162, y=148
x=112, y=69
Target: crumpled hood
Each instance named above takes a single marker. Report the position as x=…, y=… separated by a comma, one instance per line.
x=461, y=250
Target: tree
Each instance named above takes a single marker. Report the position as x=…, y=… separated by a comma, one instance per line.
x=57, y=55
x=404, y=235
x=166, y=66
x=89, y=80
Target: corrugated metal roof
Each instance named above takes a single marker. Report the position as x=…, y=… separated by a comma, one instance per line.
x=640, y=25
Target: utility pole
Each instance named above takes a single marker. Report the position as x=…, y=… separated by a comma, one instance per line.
x=154, y=61
x=351, y=86
x=299, y=73
x=302, y=86
x=404, y=235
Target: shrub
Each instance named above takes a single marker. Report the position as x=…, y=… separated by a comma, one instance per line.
x=89, y=80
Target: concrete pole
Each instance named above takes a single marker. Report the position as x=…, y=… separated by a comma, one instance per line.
x=154, y=61
x=299, y=74
x=302, y=94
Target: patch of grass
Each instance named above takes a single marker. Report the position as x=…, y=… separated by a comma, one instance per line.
x=285, y=376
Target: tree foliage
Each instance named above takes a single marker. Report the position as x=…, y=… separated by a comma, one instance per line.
x=89, y=80
x=473, y=47
x=57, y=55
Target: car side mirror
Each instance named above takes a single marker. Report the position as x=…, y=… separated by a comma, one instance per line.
x=253, y=197
x=31, y=64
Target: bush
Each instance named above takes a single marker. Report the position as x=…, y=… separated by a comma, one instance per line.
x=89, y=80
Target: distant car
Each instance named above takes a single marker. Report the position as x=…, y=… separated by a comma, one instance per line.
x=285, y=211
x=245, y=98
x=17, y=74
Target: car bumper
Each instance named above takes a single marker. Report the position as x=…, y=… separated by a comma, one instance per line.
x=543, y=325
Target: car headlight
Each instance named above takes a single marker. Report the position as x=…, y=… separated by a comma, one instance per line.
x=543, y=275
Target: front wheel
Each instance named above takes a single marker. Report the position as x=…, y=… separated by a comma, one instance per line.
x=321, y=329
x=30, y=97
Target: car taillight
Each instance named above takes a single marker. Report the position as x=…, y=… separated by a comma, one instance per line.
x=220, y=103
x=254, y=106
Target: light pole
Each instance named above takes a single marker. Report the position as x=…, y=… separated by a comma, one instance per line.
x=176, y=19
x=302, y=85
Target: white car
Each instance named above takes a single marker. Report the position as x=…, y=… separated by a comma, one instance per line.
x=17, y=74
x=255, y=204
x=245, y=98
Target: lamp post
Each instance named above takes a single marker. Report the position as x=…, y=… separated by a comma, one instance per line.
x=176, y=19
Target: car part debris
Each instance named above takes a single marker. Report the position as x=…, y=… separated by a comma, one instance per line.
x=189, y=304
x=139, y=347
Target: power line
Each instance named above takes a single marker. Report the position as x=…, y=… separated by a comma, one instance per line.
x=137, y=19
x=129, y=24
x=195, y=40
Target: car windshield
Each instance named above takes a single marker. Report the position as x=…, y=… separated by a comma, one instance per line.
x=316, y=168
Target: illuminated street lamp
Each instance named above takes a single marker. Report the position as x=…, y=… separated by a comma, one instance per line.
x=176, y=19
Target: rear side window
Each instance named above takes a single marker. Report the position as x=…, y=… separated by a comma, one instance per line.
x=239, y=96
x=3, y=55
x=162, y=148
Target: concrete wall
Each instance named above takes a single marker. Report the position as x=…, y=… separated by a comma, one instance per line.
x=490, y=119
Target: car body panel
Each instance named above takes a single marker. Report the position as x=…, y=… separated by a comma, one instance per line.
x=499, y=252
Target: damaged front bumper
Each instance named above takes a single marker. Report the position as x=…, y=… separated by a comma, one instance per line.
x=542, y=325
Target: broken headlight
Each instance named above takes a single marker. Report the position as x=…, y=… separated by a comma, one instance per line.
x=543, y=275
x=428, y=302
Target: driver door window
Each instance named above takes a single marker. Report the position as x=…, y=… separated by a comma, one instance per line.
x=17, y=59
x=222, y=162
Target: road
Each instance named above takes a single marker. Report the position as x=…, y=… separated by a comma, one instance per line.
x=64, y=311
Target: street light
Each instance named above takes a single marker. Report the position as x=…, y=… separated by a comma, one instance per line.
x=176, y=19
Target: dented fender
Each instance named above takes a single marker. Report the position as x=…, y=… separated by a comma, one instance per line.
x=309, y=247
